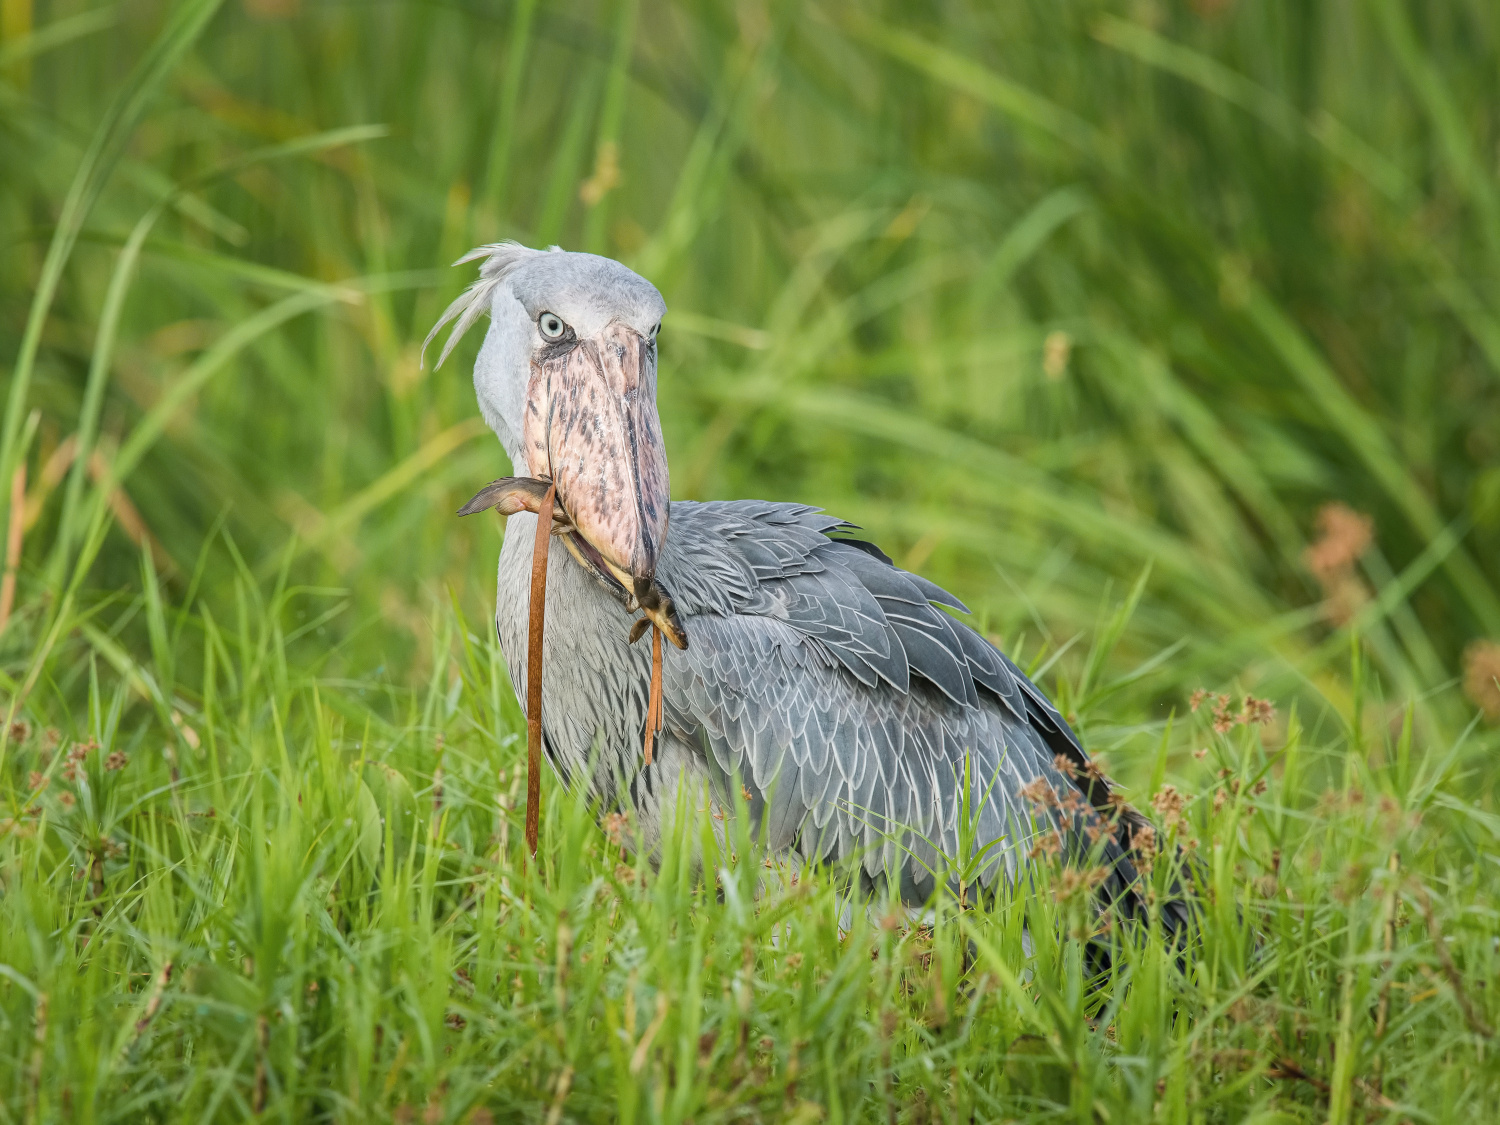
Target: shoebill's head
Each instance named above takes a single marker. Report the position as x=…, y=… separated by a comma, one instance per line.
x=566, y=378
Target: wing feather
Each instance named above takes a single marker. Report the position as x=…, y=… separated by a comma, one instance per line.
x=829, y=681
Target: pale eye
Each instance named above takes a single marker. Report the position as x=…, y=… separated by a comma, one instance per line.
x=656, y=331
x=552, y=325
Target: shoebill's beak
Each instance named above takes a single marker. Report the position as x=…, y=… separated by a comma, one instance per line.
x=591, y=428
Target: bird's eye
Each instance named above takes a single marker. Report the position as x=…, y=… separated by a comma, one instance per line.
x=656, y=331
x=552, y=325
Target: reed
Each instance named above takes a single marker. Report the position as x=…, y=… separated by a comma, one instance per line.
x=1163, y=333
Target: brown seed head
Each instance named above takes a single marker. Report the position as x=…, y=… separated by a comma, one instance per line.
x=1482, y=677
x=1257, y=711
x=1144, y=842
x=1169, y=803
x=1344, y=535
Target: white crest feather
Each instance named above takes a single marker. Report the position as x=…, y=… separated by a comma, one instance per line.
x=500, y=259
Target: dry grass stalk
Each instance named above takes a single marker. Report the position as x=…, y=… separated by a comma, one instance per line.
x=38, y=1049
x=158, y=988
x=1388, y=944
x=13, y=535
x=564, y=1086
x=54, y=469
x=1472, y=1017
x=643, y=1048
x=126, y=514
x=153, y=1003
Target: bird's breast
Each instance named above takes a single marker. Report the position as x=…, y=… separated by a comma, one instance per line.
x=594, y=683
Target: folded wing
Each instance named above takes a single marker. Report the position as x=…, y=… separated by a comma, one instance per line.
x=832, y=686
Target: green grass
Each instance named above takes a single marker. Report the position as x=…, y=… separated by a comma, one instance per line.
x=1046, y=296
x=308, y=898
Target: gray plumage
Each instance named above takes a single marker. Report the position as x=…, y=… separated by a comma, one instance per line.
x=819, y=676
x=833, y=686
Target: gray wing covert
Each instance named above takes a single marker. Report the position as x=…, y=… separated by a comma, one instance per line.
x=825, y=680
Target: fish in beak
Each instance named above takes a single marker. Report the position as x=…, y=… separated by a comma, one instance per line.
x=591, y=430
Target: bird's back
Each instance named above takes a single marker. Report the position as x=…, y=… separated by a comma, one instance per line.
x=852, y=708
x=827, y=685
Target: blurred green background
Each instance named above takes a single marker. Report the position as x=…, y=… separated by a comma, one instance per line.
x=1167, y=335
x=1046, y=296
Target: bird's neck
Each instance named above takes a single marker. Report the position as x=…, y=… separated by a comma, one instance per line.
x=510, y=441
x=500, y=379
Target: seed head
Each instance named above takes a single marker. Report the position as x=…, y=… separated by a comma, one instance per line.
x=1482, y=677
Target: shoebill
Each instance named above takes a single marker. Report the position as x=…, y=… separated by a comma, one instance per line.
x=805, y=674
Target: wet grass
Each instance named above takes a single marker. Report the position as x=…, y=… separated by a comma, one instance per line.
x=1048, y=298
